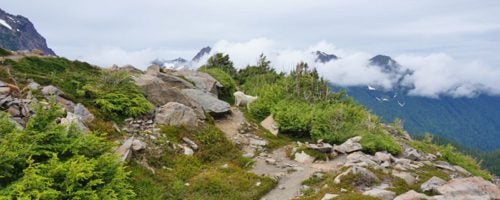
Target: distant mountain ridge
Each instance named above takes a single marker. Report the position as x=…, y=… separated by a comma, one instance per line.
x=473, y=122
x=18, y=33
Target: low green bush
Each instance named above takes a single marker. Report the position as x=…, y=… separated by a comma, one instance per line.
x=375, y=142
x=225, y=79
x=48, y=161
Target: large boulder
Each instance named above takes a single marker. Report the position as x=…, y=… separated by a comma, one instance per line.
x=380, y=194
x=209, y=102
x=74, y=120
x=469, y=188
x=201, y=80
x=432, y=184
x=176, y=114
x=51, y=90
x=406, y=176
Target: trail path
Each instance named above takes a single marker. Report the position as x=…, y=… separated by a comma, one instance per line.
x=276, y=164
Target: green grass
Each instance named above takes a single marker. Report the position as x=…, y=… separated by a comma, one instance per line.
x=201, y=176
x=226, y=93
x=4, y=52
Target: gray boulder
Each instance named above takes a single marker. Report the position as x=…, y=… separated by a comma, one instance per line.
x=209, y=103
x=366, y=177
x=406, y=176
x=412, y=195
x=51, y=90
x=84, y=114
x=432, y=184
x=349, y=146
x=271, y=125
x=201, y=80
x=74, y=120
x=176, y=114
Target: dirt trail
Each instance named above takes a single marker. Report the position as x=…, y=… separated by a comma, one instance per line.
x=275, y=164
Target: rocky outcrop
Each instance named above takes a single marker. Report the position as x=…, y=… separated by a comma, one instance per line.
x=176, y=114
x=469, y=188
x=366, y=177
x=201, y=80
x=209, y=103
x=411, y=195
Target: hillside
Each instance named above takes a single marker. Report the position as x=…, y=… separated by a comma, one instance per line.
x=73, y=130
x=17, y=33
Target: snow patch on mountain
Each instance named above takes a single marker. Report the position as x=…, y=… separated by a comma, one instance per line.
x=4, y=23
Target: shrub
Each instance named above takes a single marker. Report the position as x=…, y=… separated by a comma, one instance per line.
x=225, y=79
x=293, y=117
x=379, y=142
x=221, y=61
x=46, y=160
x=4, y=52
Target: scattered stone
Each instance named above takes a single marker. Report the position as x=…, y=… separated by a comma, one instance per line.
x=412, y=154
x=411, y=195
x=188, y=151
x=271, y=161
x=176, y=114
x=361, y=160
x=444, y=165
x=303, y=157
x=383, y=157
x=406, y=176
x=366, y=176
x=321, y=147
x=72, y=119
x=124, y=150
x=432, y=184
x=462, y=170
x=258, y=184
x=258, y=142
x=329, y=196
x=270, y=125
x=33, y=85
x=191, y=144
x=51, y=90
x=138, y=145
x=281, y=187
x=380, y=194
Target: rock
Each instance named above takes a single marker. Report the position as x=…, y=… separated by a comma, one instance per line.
x=469, y=188
x=138, y=145
x=383, y=157
x=209, y=103
x=72, y=119
x=83, y=113
x=270, y=125
x=406, y=176
x=303, y=157
x=402, y=164
x=176, y=114
x=189, y=142
x=360, y=159
x=271, y=161
x=257, y=142
x=281, y=187
x=33, y=85
x=380, y=194
x=462, y=170
x=444, y=165
x=68, y=105
x=124, y=150
x=349, y=146
x=153, y=70
x=412, y=154
x=366, y=177
x=51, y=90
x=201, y=80
x=321, y=147
x=4, y=90
x=432, y=184
x=411, y=195
x=188, y=151
x=14, y=111
x=329, y=196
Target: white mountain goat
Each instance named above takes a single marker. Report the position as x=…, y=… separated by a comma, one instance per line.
x=242, y=99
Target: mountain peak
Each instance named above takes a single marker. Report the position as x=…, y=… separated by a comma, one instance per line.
x=323, y=57
x=386, y=63
x=18, y=33
x=204, y=51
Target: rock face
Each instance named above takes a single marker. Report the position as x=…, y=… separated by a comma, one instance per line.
x=176, y=114
x=209, y=103
x=469, y=188
x=18, y=33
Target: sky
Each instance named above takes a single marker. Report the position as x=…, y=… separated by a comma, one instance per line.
x=452, y=45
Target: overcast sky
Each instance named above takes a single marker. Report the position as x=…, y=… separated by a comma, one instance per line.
x=415, y=31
